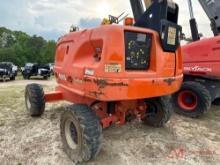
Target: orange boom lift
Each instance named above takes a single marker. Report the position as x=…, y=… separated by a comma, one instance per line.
x=112, y=74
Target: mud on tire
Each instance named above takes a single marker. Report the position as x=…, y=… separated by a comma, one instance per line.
x=34, y=100
x=81, y=133
x=193, y=100
x=159, y=111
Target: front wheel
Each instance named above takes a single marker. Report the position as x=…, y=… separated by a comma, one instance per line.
x=81, y=133
x=12, y=78
x=34, y=100
x=158, y=112
x=193, y=100
x=45, y=77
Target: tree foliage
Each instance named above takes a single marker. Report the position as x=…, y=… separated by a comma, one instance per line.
x=20, y=48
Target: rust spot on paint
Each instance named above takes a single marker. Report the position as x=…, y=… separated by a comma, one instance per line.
x=169, y=81
x=118, y=84
x=96, y=94
x=87, y=79
x=102, y=83
x=70, y=79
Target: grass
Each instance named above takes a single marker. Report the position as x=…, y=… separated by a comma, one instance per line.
x=19, y=76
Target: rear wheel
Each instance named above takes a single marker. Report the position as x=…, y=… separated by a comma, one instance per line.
x=81, y=133
x=193, y=100
x=45, y=77
x=216, y=101
x=26, y=77
x=12, y=78
x=34, y=100
x=158, y=112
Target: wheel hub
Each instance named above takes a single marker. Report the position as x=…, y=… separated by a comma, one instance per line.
x=187, y=100
x=153, y=112
x=28, y=103
x=71, y=134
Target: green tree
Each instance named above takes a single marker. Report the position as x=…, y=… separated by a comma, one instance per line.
x=20, y=48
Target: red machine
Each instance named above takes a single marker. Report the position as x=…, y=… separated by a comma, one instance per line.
x=113, y=74
x=201, y=60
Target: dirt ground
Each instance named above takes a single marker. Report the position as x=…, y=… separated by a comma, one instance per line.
x=25, y=141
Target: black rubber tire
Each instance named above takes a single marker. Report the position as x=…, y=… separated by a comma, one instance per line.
x=216, y=102
x=34, y=100
x=12, y=78
x=46, y=77
x=159, y=111
x=88, y=132
x=203, y=103
x=26, y=77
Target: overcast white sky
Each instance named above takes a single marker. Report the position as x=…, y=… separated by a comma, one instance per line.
x=53, y=18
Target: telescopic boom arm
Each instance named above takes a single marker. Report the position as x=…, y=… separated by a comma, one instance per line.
x=212, y=9
x=193, y=23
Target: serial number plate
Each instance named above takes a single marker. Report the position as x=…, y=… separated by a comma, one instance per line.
x=112, y=68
